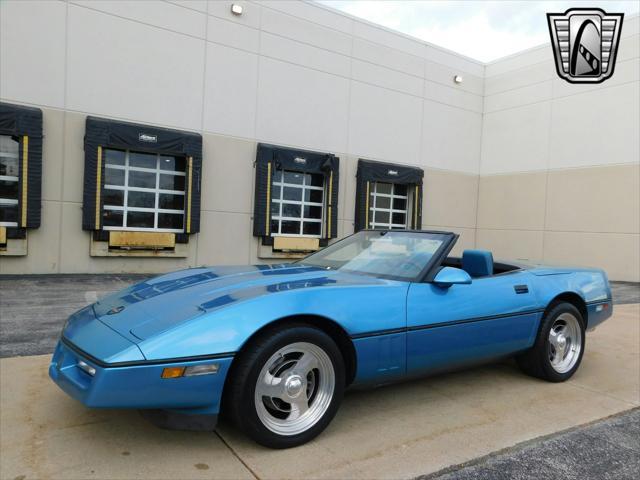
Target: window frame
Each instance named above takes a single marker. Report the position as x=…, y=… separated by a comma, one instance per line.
x=302, y=219
x=270, y=159
x=157, y=191
x=407, y=212
x=14, y=179
x=368, y=173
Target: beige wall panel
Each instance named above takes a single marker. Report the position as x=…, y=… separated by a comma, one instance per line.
x=523, y=245
x=449, y=199
x=227, y=174
x=519, y=78
x=348, y=170
x=32, y=52
x=600, y=127
x=162, y=86
x=599, y=199
x=517, y=97
x=346, y=228
x=74, y=249
x=230, y=91
x=342, y=185
x=512, y=201
x=466, y=241
x=384, y=124
x=629, y=48
x=52, y=154
x=224, y=239
x=618, y=254
x=158, y=13
x=516, y=139
x=73, y=173
x=451, y=138
x=42, y=253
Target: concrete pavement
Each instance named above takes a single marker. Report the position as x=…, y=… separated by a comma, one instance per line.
x=400, y=431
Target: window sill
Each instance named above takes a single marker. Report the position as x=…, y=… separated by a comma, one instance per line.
x=104, y=249
x=267, y=252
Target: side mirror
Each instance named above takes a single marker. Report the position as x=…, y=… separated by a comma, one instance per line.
x=451, y=276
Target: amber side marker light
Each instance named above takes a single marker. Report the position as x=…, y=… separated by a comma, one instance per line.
x=192, y=371
x=172, y=372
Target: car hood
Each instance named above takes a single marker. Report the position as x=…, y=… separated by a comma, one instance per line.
x=158, y=304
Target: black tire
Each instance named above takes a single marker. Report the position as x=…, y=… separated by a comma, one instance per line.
x=239, y=403
x=536, y=361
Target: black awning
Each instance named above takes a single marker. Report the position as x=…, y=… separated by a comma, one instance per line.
x=370, y=171
x=20, y=120
x=112, y=133
x=298, y=160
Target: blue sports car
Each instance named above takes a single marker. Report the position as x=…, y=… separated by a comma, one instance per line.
x=274, y=346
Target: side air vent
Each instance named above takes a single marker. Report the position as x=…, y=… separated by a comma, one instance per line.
x=521, y=289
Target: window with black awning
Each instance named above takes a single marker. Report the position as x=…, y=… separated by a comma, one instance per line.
x=20, y=168
x=141, y=178
x=296, y=194
x=388, y=196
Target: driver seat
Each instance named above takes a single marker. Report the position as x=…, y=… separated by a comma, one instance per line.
x=477, y=263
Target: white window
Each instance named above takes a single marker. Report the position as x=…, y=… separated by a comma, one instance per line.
x=143, y=191
x=9, y=160
x=389, y=206
x=297, y=204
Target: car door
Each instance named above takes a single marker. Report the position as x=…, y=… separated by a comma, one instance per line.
x=464, y=324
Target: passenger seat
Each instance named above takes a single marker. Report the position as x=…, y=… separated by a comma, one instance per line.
x=477, y=263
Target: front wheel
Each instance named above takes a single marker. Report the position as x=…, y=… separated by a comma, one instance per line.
x=287, y=386
x=558, y=350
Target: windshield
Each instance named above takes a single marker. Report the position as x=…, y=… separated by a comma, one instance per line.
x=402, y=255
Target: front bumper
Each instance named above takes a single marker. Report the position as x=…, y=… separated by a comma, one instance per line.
x=598, y=312
x=137, y=385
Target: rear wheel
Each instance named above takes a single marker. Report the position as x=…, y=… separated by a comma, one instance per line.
x=559, y=347
x=287, y=386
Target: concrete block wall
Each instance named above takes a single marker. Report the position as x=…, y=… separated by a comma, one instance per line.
x=494, y=148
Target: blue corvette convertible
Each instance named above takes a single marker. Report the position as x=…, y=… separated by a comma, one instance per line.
x=274, y=347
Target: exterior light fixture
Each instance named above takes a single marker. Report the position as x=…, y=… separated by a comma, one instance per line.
x=236, y=9
x=457, y=79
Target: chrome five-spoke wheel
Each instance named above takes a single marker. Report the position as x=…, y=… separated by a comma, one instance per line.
x=294, y=388
x=287, y=385
x=557, y=352
x=565, y=342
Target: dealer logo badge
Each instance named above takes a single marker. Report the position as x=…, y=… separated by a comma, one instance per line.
x=585, y=43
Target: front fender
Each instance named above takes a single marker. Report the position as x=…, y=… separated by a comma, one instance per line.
x=357, y=309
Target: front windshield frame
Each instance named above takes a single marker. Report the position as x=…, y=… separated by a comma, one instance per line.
x=424, y=275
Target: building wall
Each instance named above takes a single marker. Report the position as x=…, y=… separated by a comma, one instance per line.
x=559, y=171
x=288, y=73
x=515, y=159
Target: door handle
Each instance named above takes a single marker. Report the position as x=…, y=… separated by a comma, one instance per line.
x=521, y=289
